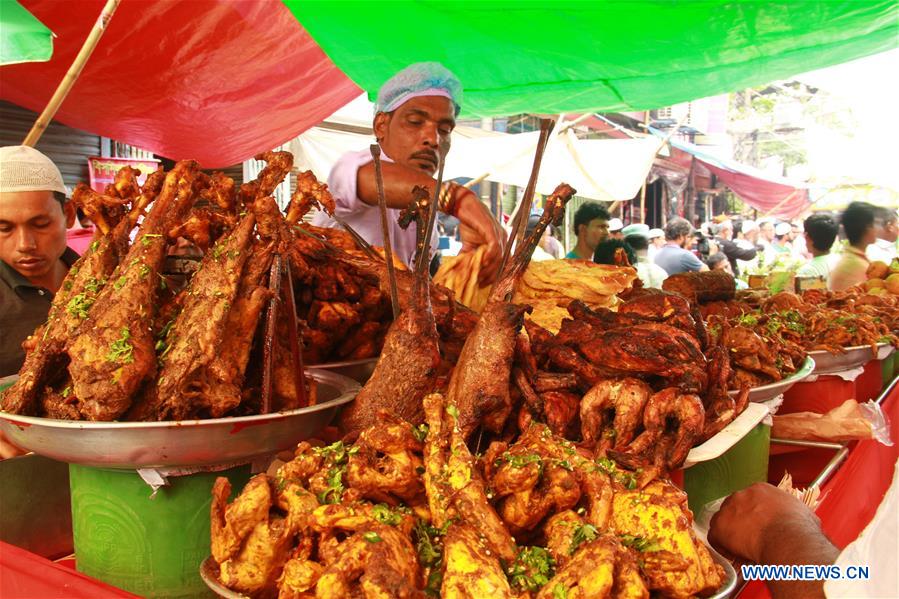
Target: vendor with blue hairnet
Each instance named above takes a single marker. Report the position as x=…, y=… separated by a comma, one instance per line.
x=415, y=114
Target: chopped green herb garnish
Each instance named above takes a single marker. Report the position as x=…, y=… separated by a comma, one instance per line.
x=640, y=543
x=371, y=537
x=147, y=238
x=143, y=271
x=121, y=349
x=533, y=567
x=79, y=305
x=583, y=533
x=452, y=411
x=385, y=515
x=120, y=282
x=559, y=591
x=420, y=432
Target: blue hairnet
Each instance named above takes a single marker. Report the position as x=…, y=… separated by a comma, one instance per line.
x=417, y=78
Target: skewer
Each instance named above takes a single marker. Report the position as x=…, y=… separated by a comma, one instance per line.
x=385, y=232
x=274, y=285
x=424, y=255
x=299, y=371
x=520, y=222
x=365, y=245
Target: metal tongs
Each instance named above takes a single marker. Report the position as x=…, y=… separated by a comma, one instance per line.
x=278, y=274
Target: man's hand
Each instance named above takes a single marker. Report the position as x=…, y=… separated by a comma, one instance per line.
x=478, y=227
x=760, y=524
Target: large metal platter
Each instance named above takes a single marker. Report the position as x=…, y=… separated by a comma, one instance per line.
x=209, y=572
x=772, y=390
x=852, y=357
x=358, y=370
x=184, y=443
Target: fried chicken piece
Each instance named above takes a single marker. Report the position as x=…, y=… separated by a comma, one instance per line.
x=298, y=579
x=103, y=210
x=648, y=350
x=561, y=408
x=198, y=333
x=115, y=353
x=750, y=352
x=611, y=412
x=387, y=462
x=559, y=531
x=377, y=562
x=479, y=385
x=278, y=165
x=231, y=523
x=677, y=564
x=261, y=559
x=699, y=287
x=309, y=192
x=596, y=570
x=407, y=369
x=472, y=570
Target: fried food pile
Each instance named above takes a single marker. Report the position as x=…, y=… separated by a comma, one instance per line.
x=460, y=274
x=408, y=511
x=768, y=338
x=644, y=384
x=123, y=342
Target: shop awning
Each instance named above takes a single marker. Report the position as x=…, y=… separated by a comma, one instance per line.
x=22, y=37
x=220, y=80
x=214, y=80
x=575, y=56
x=769, y=194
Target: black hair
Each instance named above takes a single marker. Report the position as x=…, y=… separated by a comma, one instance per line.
x=638, y=242
x=856, y=219
x=738, y=227
x=605, y=252
x=587, y=212
x=60, y=197
x=822, y=229
x=677, y=228
x=713, y=260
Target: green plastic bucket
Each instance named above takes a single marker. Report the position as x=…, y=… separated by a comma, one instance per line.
x=740, y=466
x=150, y=546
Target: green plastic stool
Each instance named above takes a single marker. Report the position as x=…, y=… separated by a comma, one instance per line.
x=740, y=466
x=150, y=546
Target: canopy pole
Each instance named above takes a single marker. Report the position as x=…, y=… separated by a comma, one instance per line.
x=643, y=189
x=72, y=74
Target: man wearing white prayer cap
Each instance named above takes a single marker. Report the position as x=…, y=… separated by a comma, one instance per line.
x=34, y=258
x=656, y=242
x=416, y=112
x=615, y=228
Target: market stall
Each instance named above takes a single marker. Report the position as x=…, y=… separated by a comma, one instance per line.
x=550, y=435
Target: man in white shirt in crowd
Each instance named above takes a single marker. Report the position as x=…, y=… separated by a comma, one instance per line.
x=747, y=236
x=656, y=239
x=886, y=246
x=820, y=232
x=674, y=258
x=651, y=274
x=858, y=222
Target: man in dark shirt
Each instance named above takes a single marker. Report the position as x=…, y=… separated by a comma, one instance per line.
x=34, y=258
x=725, y=242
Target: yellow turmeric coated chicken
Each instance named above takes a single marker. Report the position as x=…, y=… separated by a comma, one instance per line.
x=656, y=522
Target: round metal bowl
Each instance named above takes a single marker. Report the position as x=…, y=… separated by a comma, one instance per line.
x=358, y=370
x=772, y=390
x=852, y=357
x=136, y=445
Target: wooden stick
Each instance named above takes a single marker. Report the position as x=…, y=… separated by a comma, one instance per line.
x=268, y=354
x=299, y=378
x=385, y=231
x=424, y=256
x=643, y=188
x=528, y=199
x=72, y=74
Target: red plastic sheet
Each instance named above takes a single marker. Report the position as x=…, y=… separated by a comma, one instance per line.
x=765, y=196
x=24, y=575
x=854, y=492
x=213, y=80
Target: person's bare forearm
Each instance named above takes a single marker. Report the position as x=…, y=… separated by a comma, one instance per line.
x=796, y=542
x=398, y=184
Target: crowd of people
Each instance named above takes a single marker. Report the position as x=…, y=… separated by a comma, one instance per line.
x=834, y=250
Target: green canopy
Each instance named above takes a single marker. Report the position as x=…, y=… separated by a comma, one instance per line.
x=569, y=56
x=22, y=37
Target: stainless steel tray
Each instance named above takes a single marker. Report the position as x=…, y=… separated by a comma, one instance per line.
x=358, y=370
x=135, y=445
x=772, y=390
x=853, y=357
x=209, y=572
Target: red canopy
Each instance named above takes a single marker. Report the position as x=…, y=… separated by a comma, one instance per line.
x=213, y=80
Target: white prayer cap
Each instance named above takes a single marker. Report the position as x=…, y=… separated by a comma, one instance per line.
x=22, y=168
x=749, y=226
x=615, y=224
x=636, y=229
x=654, y=233
x=782, y=229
